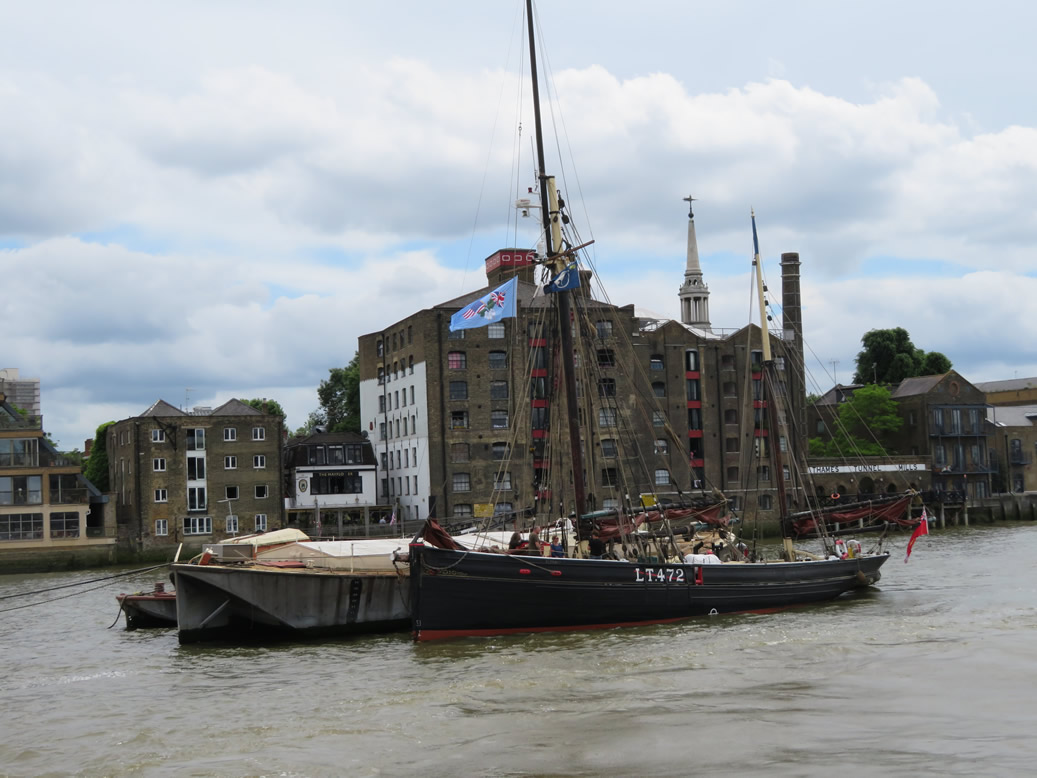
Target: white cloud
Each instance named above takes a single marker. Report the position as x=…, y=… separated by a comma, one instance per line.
x=230, y=217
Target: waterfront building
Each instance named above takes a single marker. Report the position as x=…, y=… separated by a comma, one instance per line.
x=1013, y=443
x=943, y=425
x=198, y=475
x=47, y=507
x=446, y=410
x=332, y=482
x=1013, y=391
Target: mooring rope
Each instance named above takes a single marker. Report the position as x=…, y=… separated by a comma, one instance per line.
x=83, y=583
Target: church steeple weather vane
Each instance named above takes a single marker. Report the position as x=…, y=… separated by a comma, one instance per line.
x=689, y=200
x=694, y=293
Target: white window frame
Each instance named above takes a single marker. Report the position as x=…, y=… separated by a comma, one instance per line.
x=198, y=525
x=161, y=527
x=201, y=504
x=259, y=461
x=161, y=495
x=230, y=463
x=158, y=436
x=230, y=434
x=259, y=433
x=260, y=522
x=231, y=527
x=158, y=464
x=265, y=491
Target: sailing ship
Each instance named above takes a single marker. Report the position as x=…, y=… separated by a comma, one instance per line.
x=462, y=591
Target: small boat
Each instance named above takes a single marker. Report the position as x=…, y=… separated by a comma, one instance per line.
x=633, y=579
x=156, y=608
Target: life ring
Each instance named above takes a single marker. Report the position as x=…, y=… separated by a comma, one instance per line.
x=835, y=495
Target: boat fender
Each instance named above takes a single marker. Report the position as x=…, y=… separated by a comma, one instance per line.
x=206, y=557
x=835, y=495
x=698, y=576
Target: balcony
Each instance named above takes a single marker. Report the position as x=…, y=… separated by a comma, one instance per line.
x=69, y=497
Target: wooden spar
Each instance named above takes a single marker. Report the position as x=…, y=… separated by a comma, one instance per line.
x=552, y=242
x=770, y=393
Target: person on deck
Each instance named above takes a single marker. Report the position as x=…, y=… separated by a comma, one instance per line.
x=533, y=544
x=595, y=546
x=556, y=547
x=515, y=542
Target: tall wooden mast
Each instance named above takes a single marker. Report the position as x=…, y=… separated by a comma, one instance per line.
x=770, y=394
x=557, y=261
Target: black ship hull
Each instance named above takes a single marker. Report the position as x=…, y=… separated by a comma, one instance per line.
x=459, y=593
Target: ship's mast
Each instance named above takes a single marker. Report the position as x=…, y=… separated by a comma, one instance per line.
x=770, y=390
x=555, y=261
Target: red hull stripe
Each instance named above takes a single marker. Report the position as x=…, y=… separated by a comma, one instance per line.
x=440, y=634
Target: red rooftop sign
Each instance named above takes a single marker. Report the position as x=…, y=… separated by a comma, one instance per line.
x=510, y=258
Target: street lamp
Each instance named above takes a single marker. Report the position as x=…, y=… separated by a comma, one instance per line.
x=226, y=528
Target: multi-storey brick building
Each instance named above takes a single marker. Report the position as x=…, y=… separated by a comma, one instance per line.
x=46, y=505
x=470, y=421
x=944, y=420
x=204, y=474
x=1013, y=443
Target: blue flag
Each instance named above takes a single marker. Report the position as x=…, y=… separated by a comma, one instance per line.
x=569, y=278
x=498, y=304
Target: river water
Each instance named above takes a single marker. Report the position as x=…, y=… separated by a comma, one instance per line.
x=932, y=672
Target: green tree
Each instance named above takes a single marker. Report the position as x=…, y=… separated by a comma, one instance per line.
x=889, y=357
x=314, y=420
x=97, y=466
x=265, y=406
x=863, y=426
x=339, y=397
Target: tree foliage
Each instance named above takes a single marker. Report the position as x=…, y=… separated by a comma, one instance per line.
x=863, y=426
x=96, y=471
x=889, y=357
x=314, y=420
x=264, y=405
x=339, y=397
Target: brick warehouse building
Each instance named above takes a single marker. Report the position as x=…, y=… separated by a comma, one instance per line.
x=203, y=475
x=446, y=410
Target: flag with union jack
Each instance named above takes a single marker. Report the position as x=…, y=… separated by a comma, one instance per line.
x=501, y=303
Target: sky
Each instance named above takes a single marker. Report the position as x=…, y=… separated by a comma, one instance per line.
x=201, y=201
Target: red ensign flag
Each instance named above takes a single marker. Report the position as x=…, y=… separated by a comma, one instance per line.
x=921, y=529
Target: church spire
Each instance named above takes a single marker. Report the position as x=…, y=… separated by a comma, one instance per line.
x=694, y=294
